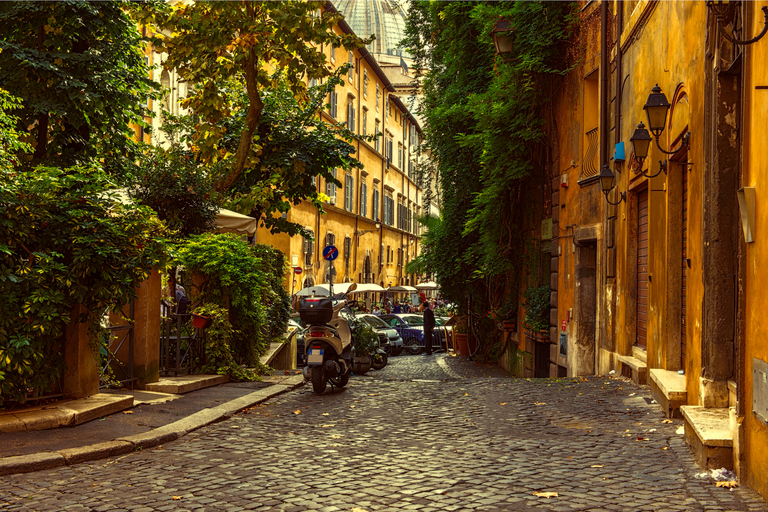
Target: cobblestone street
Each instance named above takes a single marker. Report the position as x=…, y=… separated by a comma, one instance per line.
x=427, y=433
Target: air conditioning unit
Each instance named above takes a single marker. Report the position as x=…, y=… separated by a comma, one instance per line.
x=332, y=200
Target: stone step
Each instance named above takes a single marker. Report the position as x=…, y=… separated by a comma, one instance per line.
x=186, y=383
x=640, y=353
x=64, y=414
x=633, y=367
x=708, y=433
x=668, y=388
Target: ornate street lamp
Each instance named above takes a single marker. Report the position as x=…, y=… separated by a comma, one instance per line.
x=607, y=182
x=503, y=38
x=641, y=141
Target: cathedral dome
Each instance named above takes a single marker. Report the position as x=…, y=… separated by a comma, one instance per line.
x=384, y=18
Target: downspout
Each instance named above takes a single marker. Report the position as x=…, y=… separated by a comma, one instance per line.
x=605, y=107
x=619, y=73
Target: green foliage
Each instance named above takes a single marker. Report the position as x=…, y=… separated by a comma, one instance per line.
x=245, y=280
x=65, y=239
x=176, y=187
x=486, y=122
x=79, y=69
x=219, y=336
x=11, y=145
x=364, y=339
x=537, y=308
x=211, y=43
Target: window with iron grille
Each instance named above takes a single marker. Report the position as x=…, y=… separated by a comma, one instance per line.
x=350, y=114
x=330, y=239
x=365, y=83
x=375, y=211
x=347, y=251
x=333, y=111
x=309, y=248
x=400, y=156
x=364, y=122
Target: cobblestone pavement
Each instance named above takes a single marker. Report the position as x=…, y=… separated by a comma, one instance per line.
x=427, y=433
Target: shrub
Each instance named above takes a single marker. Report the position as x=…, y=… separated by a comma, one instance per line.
x=537, y=308
x=65, y=240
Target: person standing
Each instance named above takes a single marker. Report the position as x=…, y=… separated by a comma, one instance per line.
x=429, y=326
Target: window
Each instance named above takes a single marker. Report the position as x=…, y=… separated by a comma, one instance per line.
x=347, y=251
x=378, y=94
x=365, y=84
x=386, y=111
x=313, y=82
x=350, y=114
x=405, y=132
x=330, y=239
x=400, y=156
x=349, y=189
x=364, y=122
x=389, y=148
x=308, y=248
x=381, y=257
x=334, y=104
x=389, y=258
x=377, y=140
x=375, y=211
x=351, y=68
x=389, y=211
x=363, y=199
x=330, y=189
x=333, y=53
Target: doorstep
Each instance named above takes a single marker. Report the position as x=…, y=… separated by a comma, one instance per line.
x=185, y=383
x=668, y=388
x=64, y=414
x=708, y=433
x=636, y=366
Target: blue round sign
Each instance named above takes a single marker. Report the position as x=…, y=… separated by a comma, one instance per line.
x=330, y=253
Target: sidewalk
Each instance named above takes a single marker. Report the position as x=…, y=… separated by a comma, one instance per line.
x=154, y=419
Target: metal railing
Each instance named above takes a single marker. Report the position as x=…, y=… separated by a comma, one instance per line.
x=589, y=169
x=181, y=346
x=121, y=372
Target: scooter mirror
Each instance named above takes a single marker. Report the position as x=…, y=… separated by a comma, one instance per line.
x=352, y=287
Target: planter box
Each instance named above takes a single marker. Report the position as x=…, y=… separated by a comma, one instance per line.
x=201, y=322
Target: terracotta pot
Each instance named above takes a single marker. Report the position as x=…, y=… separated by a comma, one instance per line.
x=361, y=364
x=201, y=322
x=462, y=344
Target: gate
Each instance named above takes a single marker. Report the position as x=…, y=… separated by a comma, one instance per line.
x=181, y=347
x=117, y=356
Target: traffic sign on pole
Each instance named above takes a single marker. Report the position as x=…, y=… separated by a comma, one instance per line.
x=298, y=270
x=330, y=252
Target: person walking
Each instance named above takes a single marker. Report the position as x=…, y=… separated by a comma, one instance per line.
x=429, y=326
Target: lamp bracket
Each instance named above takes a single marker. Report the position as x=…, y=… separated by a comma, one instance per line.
x=622, y=197
x=662, y=168
x=684, y=142
x=720, y=16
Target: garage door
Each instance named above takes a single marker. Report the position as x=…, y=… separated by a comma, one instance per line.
x=642, y=269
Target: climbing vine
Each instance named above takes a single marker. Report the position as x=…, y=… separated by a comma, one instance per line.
x=485, y=127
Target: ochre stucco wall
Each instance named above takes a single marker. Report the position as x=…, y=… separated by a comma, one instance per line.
x=755, y=174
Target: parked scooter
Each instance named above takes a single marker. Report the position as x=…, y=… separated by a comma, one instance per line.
x=327, y=342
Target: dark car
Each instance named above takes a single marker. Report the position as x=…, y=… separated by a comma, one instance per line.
x=391, y=341
x=411, y=329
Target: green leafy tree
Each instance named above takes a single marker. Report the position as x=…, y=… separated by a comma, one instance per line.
x=79, y=70
x=486, y=122
x=209, y=43
x=65, y=239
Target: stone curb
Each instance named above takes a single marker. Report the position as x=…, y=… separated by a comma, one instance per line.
x=158, y=436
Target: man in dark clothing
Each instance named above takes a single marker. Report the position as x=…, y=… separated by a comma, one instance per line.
x=429, y=326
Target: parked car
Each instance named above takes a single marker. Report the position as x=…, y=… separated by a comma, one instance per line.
x=390, y=339
x=411, y=329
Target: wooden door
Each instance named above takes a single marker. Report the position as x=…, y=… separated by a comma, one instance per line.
x=684, y=280
x=642, y=269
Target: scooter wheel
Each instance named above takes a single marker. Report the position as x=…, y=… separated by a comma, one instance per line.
x=318, y=380
x=342, y=380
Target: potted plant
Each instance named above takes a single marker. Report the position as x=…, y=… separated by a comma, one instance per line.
x=200, y=321
x=462, y=340
x=364, y=342
x=537, y=312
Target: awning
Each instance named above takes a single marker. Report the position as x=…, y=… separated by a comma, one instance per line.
x=228, y=221
x=428, y=285
x=401, y=289
x=368, y=288
x=323, y=290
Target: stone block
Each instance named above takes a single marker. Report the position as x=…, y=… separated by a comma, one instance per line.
x=556, y=197
x=553, y=299
x=713, y=394
x=44, y=419
x=554, y=263
x=96, y=406
x=186, y=383
x=552, y=370
x=29, y=463
x=554, y=335
x=10, y=423
x=553, y=316
x=669, y=390
x=95, y=451
x=555, y=217
x=553, y=280
x=553, y=348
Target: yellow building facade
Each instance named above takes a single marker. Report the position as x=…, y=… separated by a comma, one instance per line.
x=664, y=286
x=385, y=191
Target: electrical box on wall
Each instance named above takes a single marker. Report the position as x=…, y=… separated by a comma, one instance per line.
x=618, y=152
x=564, y=181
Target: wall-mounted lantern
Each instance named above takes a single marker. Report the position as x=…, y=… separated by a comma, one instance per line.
x=503, y=38
x=607, y=182
x=362, y=232
x=720, y=9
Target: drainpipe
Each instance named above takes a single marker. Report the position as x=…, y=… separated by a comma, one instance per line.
x=605, y=106
x=619, y=73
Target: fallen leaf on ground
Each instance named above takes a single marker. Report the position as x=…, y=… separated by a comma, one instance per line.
x=373, y=394
x=297, y=411
x=357, y=509
x=596, y=466
x=177, y=497
x=127, y=412
x=326, y=426
x=502, y=403
x=545, y=494
x=730, y=484
x=325, y=414
x=539, y=403
x=664, y=448
x=666, y=421
x=351, y=406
